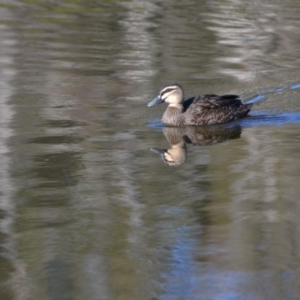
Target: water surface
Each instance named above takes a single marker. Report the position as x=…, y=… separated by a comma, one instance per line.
x=87, y=211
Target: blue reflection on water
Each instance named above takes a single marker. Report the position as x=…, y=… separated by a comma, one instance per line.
x=295, y=86
x=256, y=119
x=158, y=125
x=181, y=278
x=178, y=278
x=257, y=99
x=261, y=118
x=280, y=89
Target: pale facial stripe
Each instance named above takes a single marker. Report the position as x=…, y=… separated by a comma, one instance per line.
x=167, y=90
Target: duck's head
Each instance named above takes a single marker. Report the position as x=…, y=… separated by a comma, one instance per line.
x=171, y=94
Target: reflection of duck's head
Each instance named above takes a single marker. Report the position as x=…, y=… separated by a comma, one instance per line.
x=174, y=156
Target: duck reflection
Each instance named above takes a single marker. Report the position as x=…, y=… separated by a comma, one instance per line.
x=178, y=137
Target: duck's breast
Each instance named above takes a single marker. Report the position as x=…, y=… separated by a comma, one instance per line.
x=173, y=116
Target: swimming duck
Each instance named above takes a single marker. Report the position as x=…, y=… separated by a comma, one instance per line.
x=200, y=110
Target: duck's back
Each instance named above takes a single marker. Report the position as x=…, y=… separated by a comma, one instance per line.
x=214, y=109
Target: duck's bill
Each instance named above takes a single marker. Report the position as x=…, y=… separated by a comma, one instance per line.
x=156, y=101
x=158, y=151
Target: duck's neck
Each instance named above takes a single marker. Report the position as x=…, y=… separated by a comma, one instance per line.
x=174, y=115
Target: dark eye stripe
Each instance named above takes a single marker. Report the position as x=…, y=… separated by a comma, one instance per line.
x=167, y=91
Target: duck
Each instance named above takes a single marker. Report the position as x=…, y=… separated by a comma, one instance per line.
x=209, y=109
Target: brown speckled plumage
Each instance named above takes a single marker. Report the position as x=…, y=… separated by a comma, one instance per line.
x=201, y=110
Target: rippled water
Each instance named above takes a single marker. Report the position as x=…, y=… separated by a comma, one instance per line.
x=88, y=211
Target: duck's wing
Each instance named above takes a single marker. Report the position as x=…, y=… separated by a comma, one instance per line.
x=211, y=101
x=213, y=109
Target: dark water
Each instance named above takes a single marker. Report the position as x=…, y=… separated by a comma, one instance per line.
x=87, y=211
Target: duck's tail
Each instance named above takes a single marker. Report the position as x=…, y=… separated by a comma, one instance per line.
x=243, y=110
